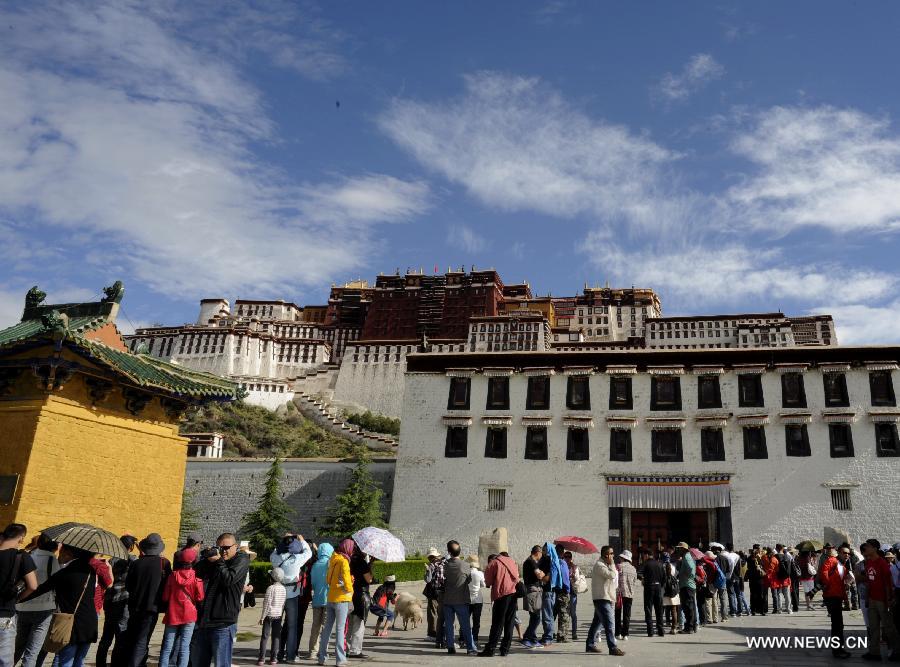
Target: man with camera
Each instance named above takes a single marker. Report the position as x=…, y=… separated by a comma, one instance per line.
x=224, y=572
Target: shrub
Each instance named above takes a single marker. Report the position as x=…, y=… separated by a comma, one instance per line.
x=259, y=576
x=375, y=423
x=408, y=570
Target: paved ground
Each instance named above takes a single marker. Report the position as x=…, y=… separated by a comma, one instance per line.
x=722, y=644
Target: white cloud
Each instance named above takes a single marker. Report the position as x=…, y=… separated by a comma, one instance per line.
x=466, y=238
x=131, y=138
x=11, y=306
x=700, y=69
x=516, y=144
x=864, y=324
x=835, y=168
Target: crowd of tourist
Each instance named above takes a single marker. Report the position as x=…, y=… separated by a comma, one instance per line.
x=52, y=596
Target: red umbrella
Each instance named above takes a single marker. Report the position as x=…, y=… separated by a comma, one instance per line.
x=577, y=544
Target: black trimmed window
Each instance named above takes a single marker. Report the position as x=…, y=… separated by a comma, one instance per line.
x=459, y=394
x=835, y=385
x=796, y=440
x=538, y=393
x=620, y=444
x=620, y=393
x=495, y=443
x=793, y=392
x=665, y=393
x=578, y=445
x=750, y=391
x=578, y=392
x=498, y=393
x=666, y=445
x=536, y=443
x=457, y=442
x=840, y=440
x=881, y=387
x=712, y=444
x=709, y=395
x=755, y=443
x=886, y=440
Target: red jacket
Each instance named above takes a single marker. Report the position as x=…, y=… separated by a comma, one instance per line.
x=831, y=580
x=104, y=581
x=183, y=591
x=772, y=574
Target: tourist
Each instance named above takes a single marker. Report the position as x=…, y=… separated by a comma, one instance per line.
x=305, y=598
x=862, y=585
x=384, y=597
x=671, y=599
x=182, y=593
x=532, y=577
x=457, y=575
x=33, y=617
x=577, y=585
x=806, y=562
x=104, y=574
x=780, y=579
x=604, y=584
x=502, y=575
x=290, y=555
x=687, y=593
x=552, y=585
x=361, y=572
x=893, y=557
x=563, y=597
x=833, y=575
x=725, y=595
x=625, y=592
x=702, y=593
x=145, y=583
x=15, y=566
x=115, y=604
x=340, y=594
x=715, y=580
x=740, y=570
x=756, y=577
x=72, y=585
x=270, y=617
x=881, y=601
x=476, y=597
x=224, y=571
x=434, y=593
x=654, y=579
x=319, y=602
x=851, y=596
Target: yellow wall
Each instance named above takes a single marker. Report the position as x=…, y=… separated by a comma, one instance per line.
x=94, y=464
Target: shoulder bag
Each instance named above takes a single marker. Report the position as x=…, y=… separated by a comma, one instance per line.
x=60, y=634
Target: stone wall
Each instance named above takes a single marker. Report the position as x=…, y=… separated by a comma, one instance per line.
x=372, y=376
x=224, y=491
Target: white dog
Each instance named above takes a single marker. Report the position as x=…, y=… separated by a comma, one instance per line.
x=409, y=609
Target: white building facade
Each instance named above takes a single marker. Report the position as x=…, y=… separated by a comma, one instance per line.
x=644, y=448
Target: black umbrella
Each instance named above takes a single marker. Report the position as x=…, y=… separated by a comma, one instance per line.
x=87, y=537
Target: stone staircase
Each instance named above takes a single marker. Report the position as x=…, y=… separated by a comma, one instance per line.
x=317, y=409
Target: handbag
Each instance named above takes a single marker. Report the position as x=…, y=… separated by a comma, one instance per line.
x=618, y=600
x=60, y=634
x=534, y=599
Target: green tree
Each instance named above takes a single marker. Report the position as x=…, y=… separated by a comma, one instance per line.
x=190, y=516
x=267, y=523
x=359, y=505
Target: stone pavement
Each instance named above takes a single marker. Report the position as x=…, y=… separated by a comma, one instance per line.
x=721, y=644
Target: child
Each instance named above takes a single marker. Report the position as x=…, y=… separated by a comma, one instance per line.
x=384, y=596
x=183, y=591
x=270, y=617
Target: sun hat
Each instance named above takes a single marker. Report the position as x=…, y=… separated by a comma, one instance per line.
x=625, y=555
x=152, y=545
x=433, y=552
x=682, y=545
x=390, y=579
x=472, y=559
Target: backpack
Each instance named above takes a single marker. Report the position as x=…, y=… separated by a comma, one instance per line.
x=719, y=581
x=670, y=587
x=700, y=575
x=796, y=572
x=782, y=572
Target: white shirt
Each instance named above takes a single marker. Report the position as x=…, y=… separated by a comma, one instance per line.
x=475, y=585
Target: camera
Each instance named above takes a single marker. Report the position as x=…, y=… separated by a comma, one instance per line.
x=209, y=552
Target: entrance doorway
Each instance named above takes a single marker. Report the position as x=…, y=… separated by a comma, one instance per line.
x=655, y=531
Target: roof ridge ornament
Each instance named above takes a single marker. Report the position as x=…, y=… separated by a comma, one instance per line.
x=114, y=292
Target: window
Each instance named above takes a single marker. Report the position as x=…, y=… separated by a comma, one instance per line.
x=840, y=500
x=841, y=440
x=496, y=500
x=577, y=445
x=498, y=393
x=536, y=443
x=886, y=441
x=882, y=388
x=793, y=393
x=538, y=393
x=495, y=444
x=750, y=393
x=578, y=393
x=755, y=442
x=620, y=393
x=796, y=440
x=835, y=390
x=457, y=439
x=459, y=394
x=665, y=393
x=708, y=393
x=712, y=444
x=620, y=444
x=666, y=445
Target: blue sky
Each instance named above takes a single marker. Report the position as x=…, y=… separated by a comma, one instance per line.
x=734, y=156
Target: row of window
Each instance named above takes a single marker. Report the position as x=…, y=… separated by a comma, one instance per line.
x=666, y=444
x=515, y=326
x=665, y=392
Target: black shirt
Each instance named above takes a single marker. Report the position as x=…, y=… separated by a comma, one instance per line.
x=9, y=579
x=528, y=568
x=653, y=573
x=544, y=565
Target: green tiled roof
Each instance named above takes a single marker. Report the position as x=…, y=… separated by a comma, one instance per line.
x=32, y=328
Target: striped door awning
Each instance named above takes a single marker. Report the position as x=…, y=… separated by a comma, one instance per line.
x=669, y=492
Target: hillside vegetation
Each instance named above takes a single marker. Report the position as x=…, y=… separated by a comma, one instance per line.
x=251, y=430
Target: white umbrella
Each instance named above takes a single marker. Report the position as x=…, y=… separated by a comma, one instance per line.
x=716, y=545
x=380, y=544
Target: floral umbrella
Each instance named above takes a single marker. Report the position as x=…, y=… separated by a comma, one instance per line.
x=380, y=544
x=578, y=545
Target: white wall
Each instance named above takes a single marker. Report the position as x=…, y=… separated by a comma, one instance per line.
x=376, y=384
